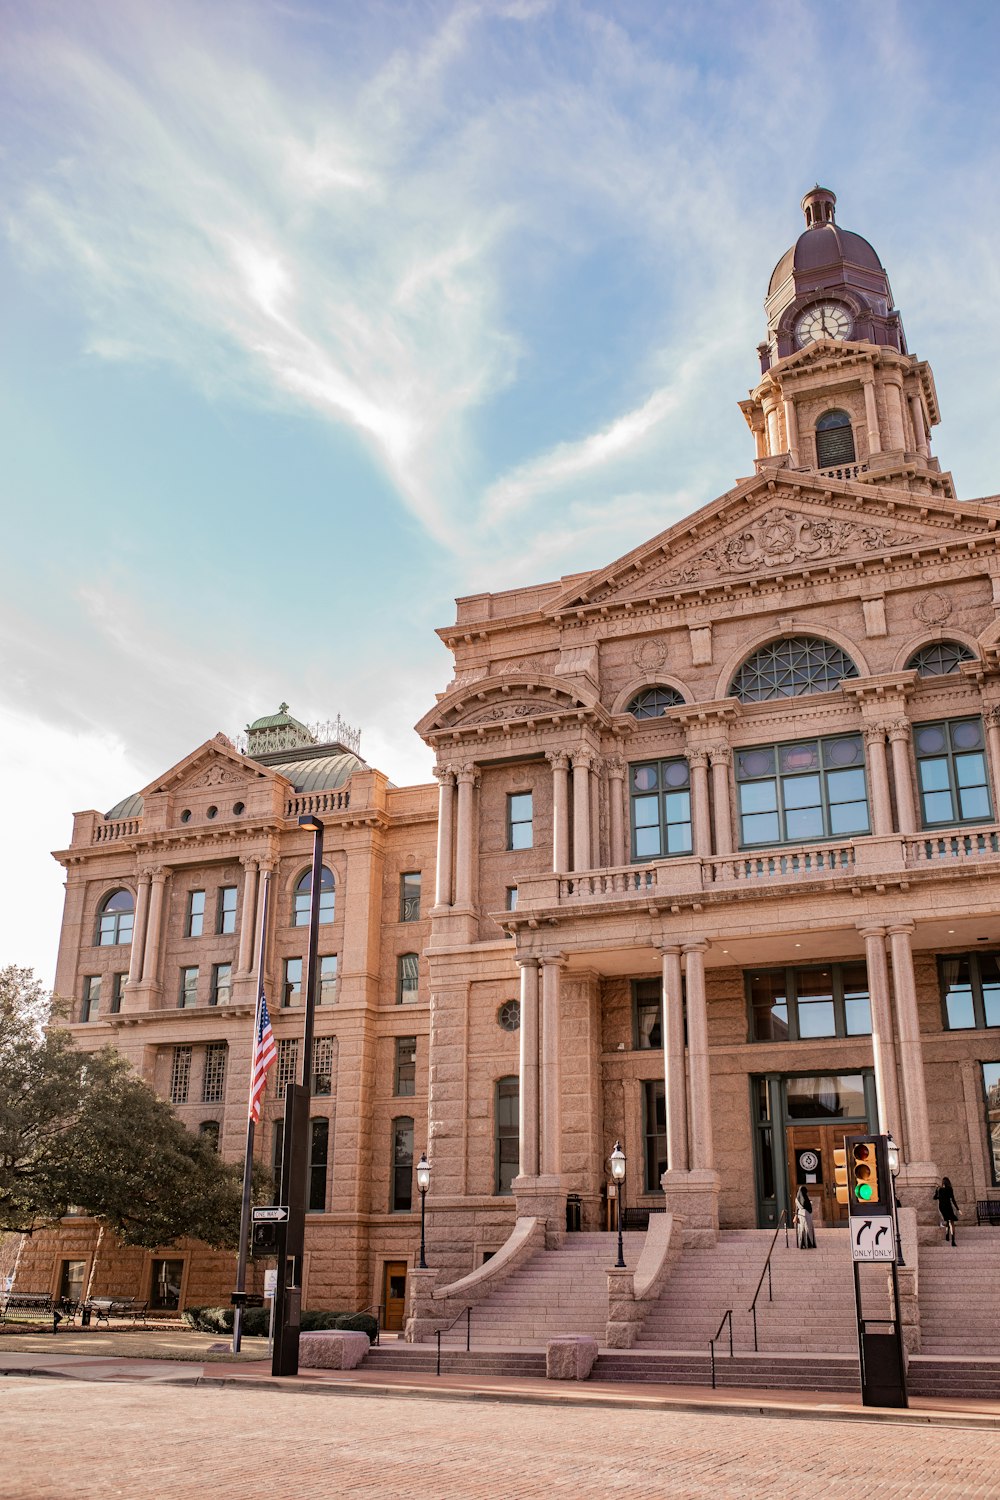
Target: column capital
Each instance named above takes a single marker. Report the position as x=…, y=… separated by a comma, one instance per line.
x=666, y=946
x=875, y=733
x=616, y=767
x=526, y=961
x=249, y=861
x=445, y=773
x=698, y=758
x=992, y=716
x=143, y=877
x=267, y=865
x=720, y=755
x=870, y=929
x=552, y=960
x=157, y=873
x=900, y=729
x=558, y=759
x=696, y=945
x=469, y=773
x=583, y=760
x=900, y=929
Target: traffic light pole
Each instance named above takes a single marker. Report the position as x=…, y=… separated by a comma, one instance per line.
x=870, y=1193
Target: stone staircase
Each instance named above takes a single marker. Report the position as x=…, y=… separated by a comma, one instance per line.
x=959, y=1294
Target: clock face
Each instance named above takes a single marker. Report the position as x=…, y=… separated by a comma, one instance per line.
x=824, y=320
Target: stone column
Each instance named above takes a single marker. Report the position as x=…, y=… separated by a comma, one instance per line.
x=792, y=431
x=549, y=1144
x=560, y=810
x=445, y=835
x=878, y=776
x=702, y=1149
x=992, y=717
x=618, y=854
x=248, y=909
x=918, y=1140
x=581, y=811
x=773, y=433
x=139, y=929
x=894, y=408
x=871, y=415
x=465, y=857
x=154, y=926
x=883, y=1047
x=759, y=442
x=673, y=1061
x=899, y=741
x=700, y=810
x=264, y=867
x=529, y=1118
x=722, y=758
x=919, y=426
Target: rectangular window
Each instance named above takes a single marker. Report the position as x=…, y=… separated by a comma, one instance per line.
x=222, y=984
x=291, y=988
x=401, y=1195
x=409, y=897
x=319, y=1154
x=118, y=982
x=808, y=1002
x=407, y=978
x=803, y=791
x=511, y=901
x=970, y=990
x=71, y=1280
x=195, y=924
x=327, y=978
x=647, y=1004
x=322, y=1065
x=225, y=912
x=829, y=1096
x=189, y=989
x=91, y=997
x=213, y=1087
x=519, y=820
x=287, y=1068
x=167, y=1279
x=951, y=772
x=654, y=1125
x=405, y=1074
x=661, y=809
x=991, y=1088
x=508, y=1137
x=180, y=1075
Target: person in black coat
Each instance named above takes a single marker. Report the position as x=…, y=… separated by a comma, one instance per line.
x=949, y=1210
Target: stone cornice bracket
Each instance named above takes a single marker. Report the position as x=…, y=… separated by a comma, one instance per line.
x=888, y=685
x=719, y=712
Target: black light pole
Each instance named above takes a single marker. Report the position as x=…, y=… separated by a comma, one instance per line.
x=315, y=825
x=618, y=1178
x=892, y=1152
x=423, y=1183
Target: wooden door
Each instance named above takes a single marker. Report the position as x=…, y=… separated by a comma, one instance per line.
x=394, y=1295
x=810, y=1163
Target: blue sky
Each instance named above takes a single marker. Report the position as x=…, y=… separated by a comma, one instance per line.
x=316, y=315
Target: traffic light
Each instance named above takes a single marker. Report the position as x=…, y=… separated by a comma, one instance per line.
x=264, y=1241
x=840, y=1174
x=866, y=1176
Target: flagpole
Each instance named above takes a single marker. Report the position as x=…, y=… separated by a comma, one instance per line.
x=241, y=1261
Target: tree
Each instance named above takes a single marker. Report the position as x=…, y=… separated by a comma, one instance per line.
x=82, y=1131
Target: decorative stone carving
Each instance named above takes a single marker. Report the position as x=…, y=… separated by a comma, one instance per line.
x=900, y=729
x=875, y=734
x=217, y=776
x=651, y=654
x=721, y=754
x=698, y=758
x=557, y=759
x=616, y=767
x=932, y=608
x=508, y=710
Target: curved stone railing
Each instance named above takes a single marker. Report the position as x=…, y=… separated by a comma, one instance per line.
x=430, y=1308
x=631, y=1292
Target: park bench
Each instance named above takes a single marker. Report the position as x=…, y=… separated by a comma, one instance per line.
x=34, y=1307
x=988, y=1211
x=103, y=1309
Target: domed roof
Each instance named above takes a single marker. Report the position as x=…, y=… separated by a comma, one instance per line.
x=823, y=243
x=281, y=720
x=128, y=807
x=319, y=773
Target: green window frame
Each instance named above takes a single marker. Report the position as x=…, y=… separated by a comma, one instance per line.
x=952, y=772
x=409, y=896
x=660, y=800
x=194, y=925
x=647, y=1015
x=506, y=1134
x=407, y=978
x=991, y=1104
x=808, y=1002
x=221, y=991
x=291, y=983
x=327, y=978
x=91, y=998
x=118, y=982
x=401, y=1192
x=188, y=996
x=654, y=1131
x=520, y=820
x=225, y=912
x=404, y=1081
x=319, y=1157
x=802, y=791
x=303, y=898
x=970, y=990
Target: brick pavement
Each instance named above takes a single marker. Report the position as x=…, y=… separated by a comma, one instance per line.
x=127, y=1441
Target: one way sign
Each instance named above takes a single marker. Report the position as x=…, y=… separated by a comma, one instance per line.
x=276, y=1215
x=873, y=1238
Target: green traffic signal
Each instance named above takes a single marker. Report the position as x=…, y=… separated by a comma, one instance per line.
x=863, y=1191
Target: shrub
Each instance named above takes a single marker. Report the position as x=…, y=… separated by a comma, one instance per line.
x=256, y=1320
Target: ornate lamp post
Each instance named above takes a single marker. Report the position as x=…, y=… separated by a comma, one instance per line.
x=618, y=1178
x=423, y=1183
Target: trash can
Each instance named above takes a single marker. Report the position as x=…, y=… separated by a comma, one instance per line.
x=574, y=1213
x=85, y=1317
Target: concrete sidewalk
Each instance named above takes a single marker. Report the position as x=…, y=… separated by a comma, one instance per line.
x=256, y=1375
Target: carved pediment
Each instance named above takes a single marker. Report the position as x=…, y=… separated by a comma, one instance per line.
x=500, y=703
x=216, y=763
x=215, y=775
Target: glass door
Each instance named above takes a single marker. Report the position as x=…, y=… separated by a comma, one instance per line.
x=800, y=1120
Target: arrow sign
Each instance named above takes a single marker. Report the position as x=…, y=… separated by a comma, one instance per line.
x=276, y=1215
x=874, y=1240
x=879, y=1233
x=857, y=1238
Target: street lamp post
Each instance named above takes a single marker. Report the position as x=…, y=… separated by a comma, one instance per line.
x=423, y=1183
x=892, y=1152
x=618, y=1178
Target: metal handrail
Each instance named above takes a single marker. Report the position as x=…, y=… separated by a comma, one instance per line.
x=374, y=1307
x=782, y=1220
x=466, y=1313
x=718, y=1333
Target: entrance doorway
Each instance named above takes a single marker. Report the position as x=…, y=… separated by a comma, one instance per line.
x=394, y=1295
x=800, y=1119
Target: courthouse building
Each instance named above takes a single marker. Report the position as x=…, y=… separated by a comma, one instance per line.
x=712, y=865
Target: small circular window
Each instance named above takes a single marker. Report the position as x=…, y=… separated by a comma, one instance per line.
x=186, y=815
x=239, y=807
x=509, y=1016
x=213, y=812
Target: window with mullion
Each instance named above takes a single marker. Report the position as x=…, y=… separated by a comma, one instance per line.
x=991, y=1090
x=951, y=772
x=970, y=990
x=799, y=792
x=808, y=1002
x=660, y=792
x=654, y=1125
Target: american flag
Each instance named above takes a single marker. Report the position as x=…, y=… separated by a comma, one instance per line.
x=264, y=1055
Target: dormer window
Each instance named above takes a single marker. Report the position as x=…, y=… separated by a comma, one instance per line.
x=834, y=440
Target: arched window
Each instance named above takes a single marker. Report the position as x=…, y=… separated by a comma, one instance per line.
x=507, y=1139
x=303, y=893
x=939, y=659
x=834, y=440
x=319, y=1151
x=401, y=1194
x=116, y=919
x=653, y=701
x=790, y=668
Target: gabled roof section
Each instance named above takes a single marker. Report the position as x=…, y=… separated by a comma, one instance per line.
x=501, y=705
x=781, y=521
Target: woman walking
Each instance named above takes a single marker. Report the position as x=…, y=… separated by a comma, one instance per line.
x=949, y=1210
x=805, y=1235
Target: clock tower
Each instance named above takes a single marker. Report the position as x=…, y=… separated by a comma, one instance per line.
x=839, y=393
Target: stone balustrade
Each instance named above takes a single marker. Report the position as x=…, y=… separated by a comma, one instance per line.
x=317, y=802
x=125, y=828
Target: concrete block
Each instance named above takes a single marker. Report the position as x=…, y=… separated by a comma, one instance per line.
x=333, y=1350
x=570, y=1357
